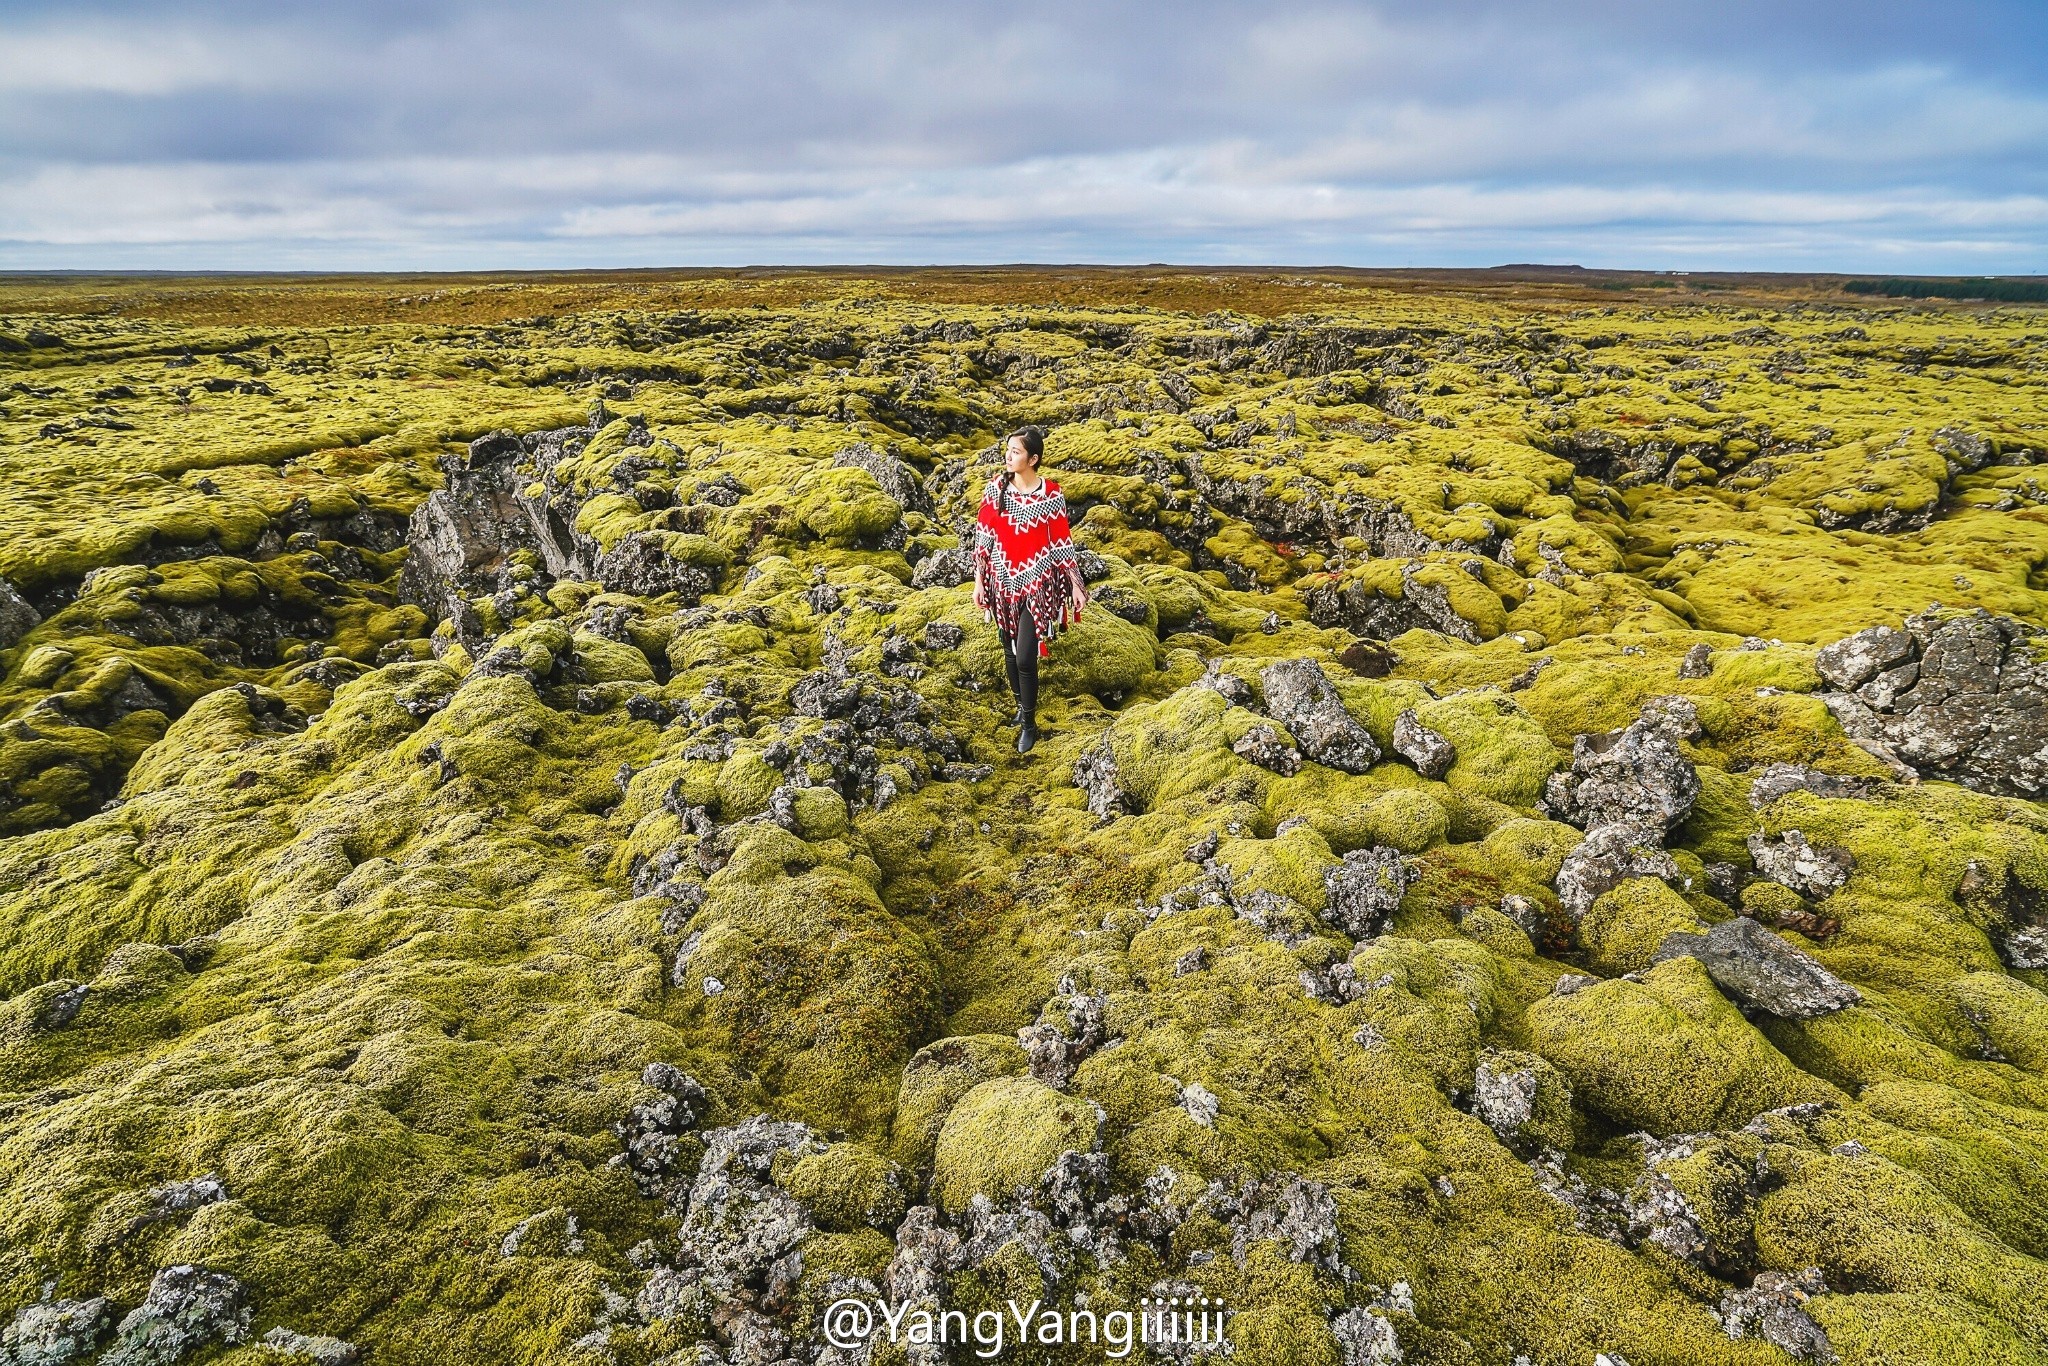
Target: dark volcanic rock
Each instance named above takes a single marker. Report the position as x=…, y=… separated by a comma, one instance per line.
x=1430, y=752
x=462, y=537
x=1609, y=856
x=1761, y=971
x=1789, y=860
x=187, y=1308
x=17, y=617
x=1365, y=890
x=640, y=566
x=1778, y=780
x=1634, y=776
x=1773, y=1308
x=1095, y=774
x=1299, y=697
x=897, y=479
x=1957, y=696
x=1269, y=747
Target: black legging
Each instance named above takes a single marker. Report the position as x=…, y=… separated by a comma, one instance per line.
x=1020, y=658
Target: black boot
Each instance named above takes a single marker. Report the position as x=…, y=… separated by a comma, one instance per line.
x=1010, y=668
x=1027, y=679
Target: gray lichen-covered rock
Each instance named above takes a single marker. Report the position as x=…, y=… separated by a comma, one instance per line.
x=1960, y=696
x=1365, y=890
x=1761, y=971
x=1773, y=1308
x=1522, y=1098
x=1269, y=747
x=1634, y=776
x=56, y=1332
x=897, y=479
x=1779, y=780
x=318, y=1349
x=1365, y=1338
x=1095, y=774
x=640, y=565
x=1607, y=857
x=1300, y=698
x=188, y=1307
x=463, y=536
x=1790, y=861
x=17, y=616
x=1853, y=661
x=2026, y=947
x=1430, y=753
x=741, y=1230
x=1068, y=1029
x=1291, y=1210
x=652, y=1129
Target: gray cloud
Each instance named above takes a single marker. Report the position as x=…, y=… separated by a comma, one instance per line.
x=1819, y=136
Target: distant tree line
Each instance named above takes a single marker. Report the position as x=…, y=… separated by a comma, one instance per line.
x=2000, y=291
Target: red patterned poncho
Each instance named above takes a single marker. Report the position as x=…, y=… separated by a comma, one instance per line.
x=1024, y=556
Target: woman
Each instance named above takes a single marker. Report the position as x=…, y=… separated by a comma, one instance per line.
x=1023, y=558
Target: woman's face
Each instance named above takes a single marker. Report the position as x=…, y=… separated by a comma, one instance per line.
x=1016, y=459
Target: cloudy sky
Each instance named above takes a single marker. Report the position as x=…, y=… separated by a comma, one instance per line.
x=1856, y=135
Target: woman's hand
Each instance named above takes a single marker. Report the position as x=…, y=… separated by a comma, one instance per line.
x=980, y=593
x=1080, y=593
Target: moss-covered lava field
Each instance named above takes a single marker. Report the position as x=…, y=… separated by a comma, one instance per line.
x=511, y=848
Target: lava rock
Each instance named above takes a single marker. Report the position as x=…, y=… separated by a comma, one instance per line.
x=1773, y=1308
x=1269, y=747
x=1761, y=971
x=897, y=479
x=1300, y=697
x=1429, y=752
x=1365, y=890
x=1068, y=1029
x=1365, y=1338
x=1607, y=857
x=320, y=1350
x=56, y=1332
x=187, y=1308
x=1634, y=776
x=1095, y=774
x=1957, y=696
x=640, y=565
x=741, y=1229
x=1790, y=861
x=1779, y=780
x=17, y=617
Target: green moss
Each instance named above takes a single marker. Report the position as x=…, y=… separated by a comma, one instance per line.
x=400, y=970
x=848, y=1187
x=1623, y=927
x=1004, y=1134
x=1668, y=1053
x=936, y=1078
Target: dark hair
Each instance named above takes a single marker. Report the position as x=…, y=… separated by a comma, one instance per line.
x=1034, y=446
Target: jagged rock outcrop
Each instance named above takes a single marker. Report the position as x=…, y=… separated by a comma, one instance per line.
x=1430, y=753
x=1790, y=861
x=1627, y=789
x=1300, y=697
x=17, y=616
x=187, y=1308
x=1365, y=890
x=56, y=1332
x=1634, y=776
x=1762, y=971
x=1773, y=1308
x=1957, y=696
